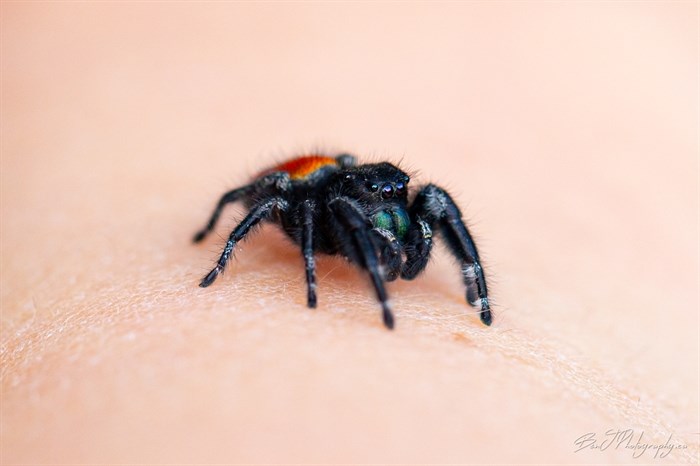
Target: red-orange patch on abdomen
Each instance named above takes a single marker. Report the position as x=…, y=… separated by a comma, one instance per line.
x=301, y=167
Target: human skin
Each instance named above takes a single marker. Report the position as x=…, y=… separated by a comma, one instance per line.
x=567, y=132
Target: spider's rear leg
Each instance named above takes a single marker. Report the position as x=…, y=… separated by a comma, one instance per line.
x=307, y=246
x=389, y=252
x=259, y=212
x=231, y=196
x=272, y=184
x=437, y=208
x=359, y=247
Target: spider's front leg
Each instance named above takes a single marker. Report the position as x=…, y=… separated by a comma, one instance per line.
x=259, y=212
x=353, y=230
x=435, y=208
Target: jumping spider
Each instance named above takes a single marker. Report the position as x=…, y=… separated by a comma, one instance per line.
x=334, y=206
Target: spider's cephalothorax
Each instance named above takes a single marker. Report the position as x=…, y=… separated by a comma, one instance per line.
x=333, y=206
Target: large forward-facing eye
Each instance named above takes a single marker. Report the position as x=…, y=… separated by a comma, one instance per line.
x=387, y=191
x=400, y=188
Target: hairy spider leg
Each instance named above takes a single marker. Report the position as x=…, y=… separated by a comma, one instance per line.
x=307, y=245
x=353, y=220
x=231, y=196
x=437, y=208
x=270, y=184
x=261, y=211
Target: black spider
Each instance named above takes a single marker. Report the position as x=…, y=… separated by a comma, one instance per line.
x=331, y=205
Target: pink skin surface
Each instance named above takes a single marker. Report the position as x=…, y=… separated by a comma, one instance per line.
x=568, y=133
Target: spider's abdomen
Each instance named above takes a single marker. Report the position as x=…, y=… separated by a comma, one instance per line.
x=302, y=167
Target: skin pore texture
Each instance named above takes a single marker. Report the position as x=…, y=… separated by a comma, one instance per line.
x=567, y=133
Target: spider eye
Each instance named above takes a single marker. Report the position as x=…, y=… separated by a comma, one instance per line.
x=400, y=188
x=374, y=187
x=387, y=191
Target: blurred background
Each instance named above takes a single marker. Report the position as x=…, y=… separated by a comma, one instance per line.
x=568, y=132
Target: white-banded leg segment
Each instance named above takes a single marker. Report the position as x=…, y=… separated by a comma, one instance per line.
x=437, y=208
